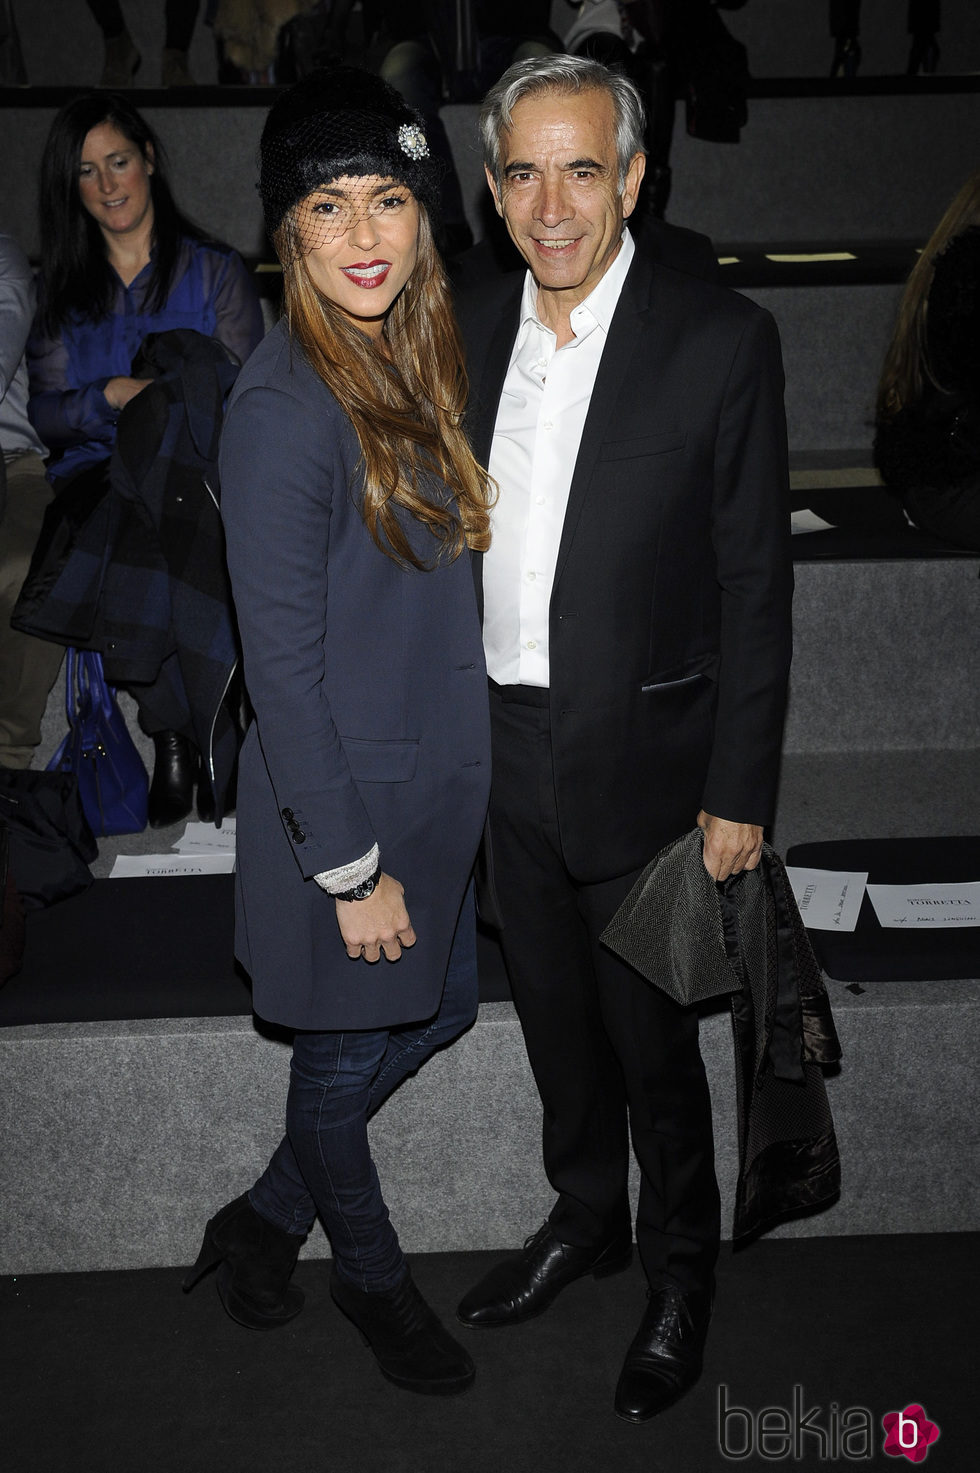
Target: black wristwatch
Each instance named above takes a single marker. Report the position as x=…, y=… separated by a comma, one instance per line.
x=363, y=890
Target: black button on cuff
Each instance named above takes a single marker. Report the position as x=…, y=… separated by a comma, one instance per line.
x=295, y=832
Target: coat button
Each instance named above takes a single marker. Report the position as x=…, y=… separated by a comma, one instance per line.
x=287, y=814
x=298, y=836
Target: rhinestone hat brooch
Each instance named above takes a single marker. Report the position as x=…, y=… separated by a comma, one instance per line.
x=411, y=140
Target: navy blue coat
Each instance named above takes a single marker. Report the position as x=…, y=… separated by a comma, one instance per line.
x=369, y=689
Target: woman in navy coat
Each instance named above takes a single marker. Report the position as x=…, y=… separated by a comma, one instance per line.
x=350, y=499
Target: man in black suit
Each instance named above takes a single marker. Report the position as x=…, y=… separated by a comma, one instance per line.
x=637, y=629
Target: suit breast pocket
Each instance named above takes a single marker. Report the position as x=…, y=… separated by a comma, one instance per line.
x=640, y=447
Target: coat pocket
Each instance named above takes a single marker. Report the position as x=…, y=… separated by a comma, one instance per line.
x=381, y=762
x=643, y=445
x=703, y=668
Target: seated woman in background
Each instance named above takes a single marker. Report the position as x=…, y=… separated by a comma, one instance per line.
x=119, y=261
x=927, y=445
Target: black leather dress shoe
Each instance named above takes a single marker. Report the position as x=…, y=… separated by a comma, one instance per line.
x=174, y=770
x=665, y=1357
x=522, y=1286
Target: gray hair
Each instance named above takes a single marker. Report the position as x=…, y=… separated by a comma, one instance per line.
x=562, y=74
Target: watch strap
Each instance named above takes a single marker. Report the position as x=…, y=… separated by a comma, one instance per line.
x=363, y=890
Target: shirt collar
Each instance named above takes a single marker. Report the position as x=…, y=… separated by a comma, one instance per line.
x=600, y=303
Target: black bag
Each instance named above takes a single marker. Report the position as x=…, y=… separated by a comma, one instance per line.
x=60, y=595
x=50, y=844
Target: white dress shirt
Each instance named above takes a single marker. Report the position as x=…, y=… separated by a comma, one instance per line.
x=543, y=405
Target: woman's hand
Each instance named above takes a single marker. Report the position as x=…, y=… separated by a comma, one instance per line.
x=378, y=924
x=120, y=390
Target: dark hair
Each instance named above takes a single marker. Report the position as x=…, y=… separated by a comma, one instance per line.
x=76, y=277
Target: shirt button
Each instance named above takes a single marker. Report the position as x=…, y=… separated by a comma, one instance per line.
x=548, y=425
x=531, y=577
x=540, y=500
x=532, y=644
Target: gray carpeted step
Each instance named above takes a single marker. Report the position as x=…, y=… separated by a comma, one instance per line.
x=122, y=1139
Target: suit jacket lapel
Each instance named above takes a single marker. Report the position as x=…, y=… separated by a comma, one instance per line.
x=487, y=368
x=618, y=357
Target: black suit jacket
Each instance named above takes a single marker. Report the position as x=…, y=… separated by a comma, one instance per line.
x=670, y=616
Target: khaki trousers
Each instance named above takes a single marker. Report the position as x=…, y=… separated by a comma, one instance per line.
x=28, y=666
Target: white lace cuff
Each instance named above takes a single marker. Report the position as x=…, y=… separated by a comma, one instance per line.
x=337, y=881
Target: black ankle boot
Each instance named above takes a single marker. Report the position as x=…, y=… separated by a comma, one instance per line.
x=254, y=1259
x=846, y=58
x=413, y=1349
x=172, y=789
x=923, y=55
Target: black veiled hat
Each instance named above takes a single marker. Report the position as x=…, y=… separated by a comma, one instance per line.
x=341, y=121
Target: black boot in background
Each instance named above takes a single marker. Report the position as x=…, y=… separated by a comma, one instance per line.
x=846, y=58
x=174, y=770
x=923, y=55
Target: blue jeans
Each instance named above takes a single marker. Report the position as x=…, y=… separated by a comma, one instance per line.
x=337, y=1082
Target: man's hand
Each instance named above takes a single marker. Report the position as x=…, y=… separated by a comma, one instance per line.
x=729, y=847
x=378, y=924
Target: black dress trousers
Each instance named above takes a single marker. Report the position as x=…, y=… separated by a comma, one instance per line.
x=612, y=1056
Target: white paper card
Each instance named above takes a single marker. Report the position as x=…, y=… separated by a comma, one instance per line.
x=204, y=838
x=916, y=906
x=807, y=521
x=829, y=900
x=136, y=866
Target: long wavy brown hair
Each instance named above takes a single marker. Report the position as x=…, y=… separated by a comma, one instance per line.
x=907, y=369
x=409, y=423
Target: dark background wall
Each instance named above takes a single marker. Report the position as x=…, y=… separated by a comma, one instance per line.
x=785, y=38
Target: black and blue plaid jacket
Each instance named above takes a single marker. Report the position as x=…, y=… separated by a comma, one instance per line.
x=131, y=557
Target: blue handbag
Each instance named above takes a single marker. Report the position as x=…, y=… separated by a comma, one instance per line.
x=99, y=750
